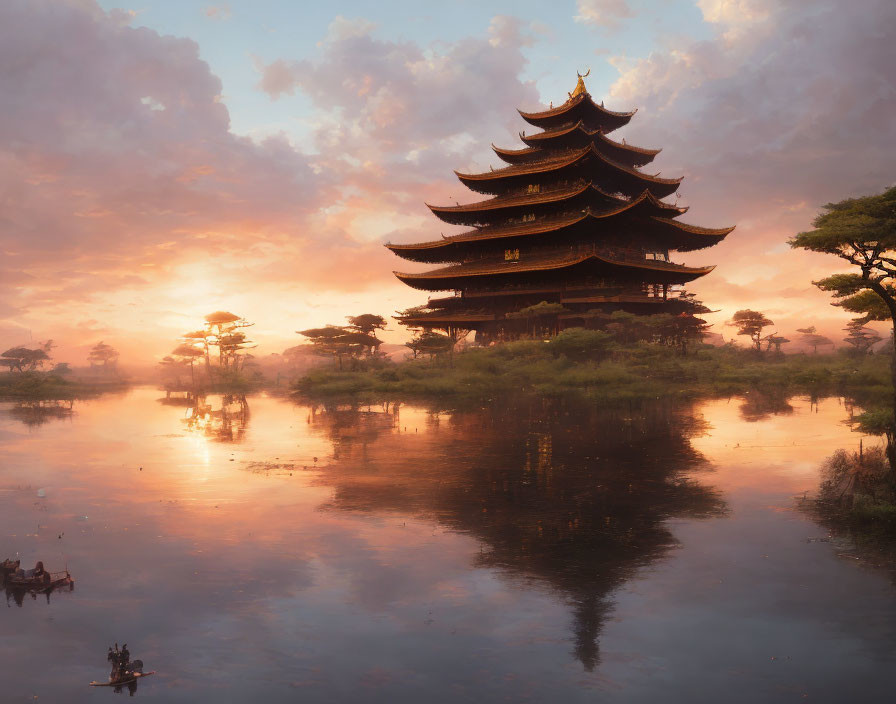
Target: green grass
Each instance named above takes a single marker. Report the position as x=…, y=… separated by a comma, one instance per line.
x=591, y=365
x=47, y=385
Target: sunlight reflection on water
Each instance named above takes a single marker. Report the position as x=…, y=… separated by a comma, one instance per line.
x=254, y=548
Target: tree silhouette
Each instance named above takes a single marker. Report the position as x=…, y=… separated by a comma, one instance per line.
x=186, y=354
x=340, y=342
x=367, y=323
x=26, y=359
x=751, y=323
x=431, y=343
x=861, y=231
x=812, y=338
x=224, y=331
x=103, y=355
x=859, y=338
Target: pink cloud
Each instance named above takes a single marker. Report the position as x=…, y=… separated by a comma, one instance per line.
x=603, y=13
x=117, y=160
x=390, y=102
x=126, y=195
x=767, y=125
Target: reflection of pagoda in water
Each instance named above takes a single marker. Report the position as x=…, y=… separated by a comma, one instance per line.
x=226, y=423
x=571, y=220
x=577, y=497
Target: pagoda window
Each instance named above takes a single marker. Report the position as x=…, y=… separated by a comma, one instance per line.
x=534, y=188
x=529, y=217
x=511, y=255
x=658, y=256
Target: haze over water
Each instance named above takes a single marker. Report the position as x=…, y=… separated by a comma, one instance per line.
x=535, y=552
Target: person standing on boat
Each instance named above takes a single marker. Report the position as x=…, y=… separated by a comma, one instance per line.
x=40, y=574
x=125, y=657
x=115, y=659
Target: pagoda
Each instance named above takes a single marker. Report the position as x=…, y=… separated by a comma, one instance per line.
x=570, y=220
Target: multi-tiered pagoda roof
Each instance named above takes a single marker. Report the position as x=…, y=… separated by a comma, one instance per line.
x=572, y=219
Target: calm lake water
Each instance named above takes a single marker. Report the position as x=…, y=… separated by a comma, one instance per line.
x=536, y=552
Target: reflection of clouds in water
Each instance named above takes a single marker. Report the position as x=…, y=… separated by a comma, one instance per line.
x=422, y=557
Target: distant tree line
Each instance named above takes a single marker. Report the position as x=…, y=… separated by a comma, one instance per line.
x=22, y=359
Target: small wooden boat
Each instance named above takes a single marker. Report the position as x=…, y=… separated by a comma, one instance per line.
x=45, y=582
x=129, y=679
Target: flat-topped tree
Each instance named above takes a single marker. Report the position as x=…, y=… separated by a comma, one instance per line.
x=431, y=343
x=572, y=220
x=103, y=355
x=751, y=323
x=340, y=342
x=859, y=338
x=813, y=338
x=186, y=354
x=27, y=359
x=368, y=323
x=224, y=331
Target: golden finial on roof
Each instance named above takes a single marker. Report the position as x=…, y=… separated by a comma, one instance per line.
x=580, y=84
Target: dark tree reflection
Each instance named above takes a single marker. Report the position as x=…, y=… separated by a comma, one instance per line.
x=226, y=421
x=576, y=496
x=759, y=405
x=36, y=413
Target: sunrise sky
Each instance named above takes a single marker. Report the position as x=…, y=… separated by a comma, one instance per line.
x=162, y=160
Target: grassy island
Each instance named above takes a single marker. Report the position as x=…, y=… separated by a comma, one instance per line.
x=40, y=386
x=591, y=364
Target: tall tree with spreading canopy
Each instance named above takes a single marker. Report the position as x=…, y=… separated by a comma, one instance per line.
x=103, y=355
x=813, y=338
x=431, y=343
x=27, y=359
x=861, y=232
x=200, y=338
x=859, y=338
x=368, y=323
x=751, y=323
x=340, y=342
x=186, y=354
x=224, y=331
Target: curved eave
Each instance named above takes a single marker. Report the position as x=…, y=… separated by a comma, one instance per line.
x=430, y=251
x=534, y=140
x=463, y=214
x=548, y=135
x=441, y=250
x=679, y=236
x=447, y=212
x=628, y=147
x=514, y=156
x=448, y=318
x=456, y=276
x=542, y=166
x=534, y=228
x=695, y=237
x=612, y=119
x=487, y=182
